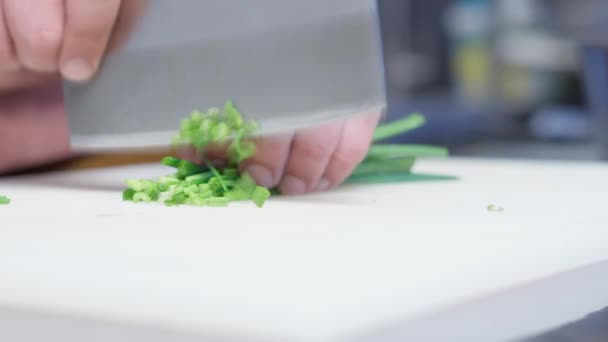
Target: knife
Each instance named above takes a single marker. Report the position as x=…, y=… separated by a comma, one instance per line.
x=287, y=64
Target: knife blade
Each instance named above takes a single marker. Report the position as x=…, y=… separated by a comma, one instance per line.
x=286, y=64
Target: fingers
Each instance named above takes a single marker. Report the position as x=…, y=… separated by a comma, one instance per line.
x=88, y=27
x=8, y=56
x=36, y=28
x=267, y=165
x=351, y=150
x=314, y=159
x=69, y=36
x=310, y=154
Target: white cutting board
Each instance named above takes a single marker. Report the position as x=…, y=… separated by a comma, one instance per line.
x=323, y=267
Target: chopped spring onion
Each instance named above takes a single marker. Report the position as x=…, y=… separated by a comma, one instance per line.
x=205, y=185
x=247, y=183
x=200, y=178
x=260, y=195
x=4, y=200
x=128, y=194
x=218, y=177
x=217, y=201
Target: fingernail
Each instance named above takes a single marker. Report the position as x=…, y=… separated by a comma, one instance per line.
x=324, y=185
x=77, y=70
x=262, y=175
x=293, y=186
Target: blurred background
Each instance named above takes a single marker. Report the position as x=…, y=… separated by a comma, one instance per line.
x=501, y=78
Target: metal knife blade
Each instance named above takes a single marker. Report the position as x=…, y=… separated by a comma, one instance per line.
x=286, y=64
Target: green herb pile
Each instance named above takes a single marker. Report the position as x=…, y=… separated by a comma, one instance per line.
x=4, y=200
x=205, y=185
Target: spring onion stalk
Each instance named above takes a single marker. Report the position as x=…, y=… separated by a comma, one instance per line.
x=403, y=165
x=399, y=127
x=381, y=152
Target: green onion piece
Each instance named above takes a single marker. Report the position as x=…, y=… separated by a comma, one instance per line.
x=197, y=201
x=4, y=200
x=214, y=114
x=171, y=162
x=192, y=189
x=229, y=178
x=233, y=116
x=199, y=141
x=199, y=178
x=218, y=201
x=247, y=183
x=217, y=175
x=260, y=195
x=136, y=184
x=237, y=194
x=141, y=197
x=177, y=199
x=233, y=149
x=230, y=173
x=184, y=168
x=178, y=189
x=230, y=183
x=250, y=127
x=404, y=151
x=151, y=188
x=196, y=119
x=206, y=126
x=397, y=177
x=162, y=187
x=187, y=169
x=185, y=125
x=169, y=180
x=220, y=132
x=128, y=194
x=402, y=126
x=206, y=194
x=245, y=151
x=385, y=166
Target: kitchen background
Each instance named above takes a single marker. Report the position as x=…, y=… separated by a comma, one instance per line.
x=501, y=78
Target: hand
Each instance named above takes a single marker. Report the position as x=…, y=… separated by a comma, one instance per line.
x=314, y=159
x=69, y=36
x=40, y=38
x=41, y=41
